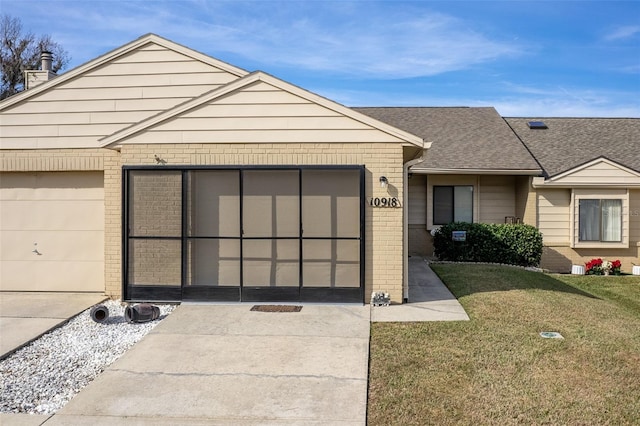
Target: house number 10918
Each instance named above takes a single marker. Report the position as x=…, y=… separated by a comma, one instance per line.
x=384, y=202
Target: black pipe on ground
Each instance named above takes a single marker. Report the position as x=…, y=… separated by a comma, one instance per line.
x=143, y=312
x=99, y=313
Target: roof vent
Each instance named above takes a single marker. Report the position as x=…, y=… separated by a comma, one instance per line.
x=537, y=125
x=46, y=58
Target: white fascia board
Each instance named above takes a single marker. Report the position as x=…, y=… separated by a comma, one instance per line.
x=442, y=171
x=110, y=56
x=114, y=139
x=540, y=182
x=425, y=145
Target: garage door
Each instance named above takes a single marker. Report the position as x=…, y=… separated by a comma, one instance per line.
x=52, y=231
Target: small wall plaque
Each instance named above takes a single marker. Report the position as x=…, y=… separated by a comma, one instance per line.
x=459, y=235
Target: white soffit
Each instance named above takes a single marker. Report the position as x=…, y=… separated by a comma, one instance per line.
x=600, y=172
x=116, y=139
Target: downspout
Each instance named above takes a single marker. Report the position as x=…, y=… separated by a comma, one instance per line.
x=405, y=220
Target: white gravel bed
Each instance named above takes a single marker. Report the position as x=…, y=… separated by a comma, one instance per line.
x=43, y=376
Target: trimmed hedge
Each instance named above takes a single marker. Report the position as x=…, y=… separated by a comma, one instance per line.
x=514, y=244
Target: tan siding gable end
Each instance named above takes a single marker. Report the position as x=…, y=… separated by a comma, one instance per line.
x=259, y=109
x=77, y=109
x=599, y=172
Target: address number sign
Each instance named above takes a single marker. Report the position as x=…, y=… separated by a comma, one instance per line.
x=384, y=202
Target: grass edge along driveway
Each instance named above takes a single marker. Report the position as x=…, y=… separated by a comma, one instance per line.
x=496, y=369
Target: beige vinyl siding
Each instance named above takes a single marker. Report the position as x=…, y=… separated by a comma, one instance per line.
x=63, y=93
x=55, y=118
x=419, y=240
x=525, y=200
x=234, y=119
x=497, y=198
x=553, y=207
x=417, y=200
x=621, y=194
x=294, y=109
x=79, y=112
x=96, y=80
x=602, y=173
x=634, y=218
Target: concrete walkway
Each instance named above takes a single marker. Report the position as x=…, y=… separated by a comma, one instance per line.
x=225, y=364
x=429, y=299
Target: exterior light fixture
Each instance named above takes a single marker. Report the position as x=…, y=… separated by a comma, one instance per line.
x=384, y=182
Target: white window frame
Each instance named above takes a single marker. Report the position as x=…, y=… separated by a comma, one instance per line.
x=599, y=194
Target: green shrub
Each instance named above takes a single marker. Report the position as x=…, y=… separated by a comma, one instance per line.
x=514, y=244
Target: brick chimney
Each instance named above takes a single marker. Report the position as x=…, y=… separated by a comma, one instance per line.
x=33, y=78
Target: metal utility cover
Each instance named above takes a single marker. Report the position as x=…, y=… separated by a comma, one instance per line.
x=551, y=335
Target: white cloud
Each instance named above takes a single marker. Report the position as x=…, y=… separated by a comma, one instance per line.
x=623, y=32
x=376, y=46
x=523, y=103
x=565, y=101
x=554, y=107
x=367, y=39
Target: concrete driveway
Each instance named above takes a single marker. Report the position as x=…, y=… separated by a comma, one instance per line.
x=226, y=364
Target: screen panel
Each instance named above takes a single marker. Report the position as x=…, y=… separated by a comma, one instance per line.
x=154, y=262
x=155, y=203
x=331, y=263
x=213, y=262
x=271, y=203
x=214, y=203
x=331, y=203
x=271, y=263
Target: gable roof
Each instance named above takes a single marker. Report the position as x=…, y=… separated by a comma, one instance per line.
x=598, y=172
x=464, y=140
x=114, y=54
x=568, y=143
x=116, y=139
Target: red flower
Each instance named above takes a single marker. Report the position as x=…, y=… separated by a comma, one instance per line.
x=594, y=267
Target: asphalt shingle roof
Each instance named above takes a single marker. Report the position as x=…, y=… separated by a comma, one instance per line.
x=462, y=138
x=571, y=142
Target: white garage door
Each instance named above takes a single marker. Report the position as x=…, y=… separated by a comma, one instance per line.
x=52, y=231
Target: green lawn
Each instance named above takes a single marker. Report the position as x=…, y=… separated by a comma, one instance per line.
x=496, y=369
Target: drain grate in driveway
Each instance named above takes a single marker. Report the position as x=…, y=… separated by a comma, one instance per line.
x=276, y=308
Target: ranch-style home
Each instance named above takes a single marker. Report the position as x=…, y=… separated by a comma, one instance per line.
x=158, y=173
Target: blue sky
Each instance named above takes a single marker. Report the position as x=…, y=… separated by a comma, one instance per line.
x=538, y=58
